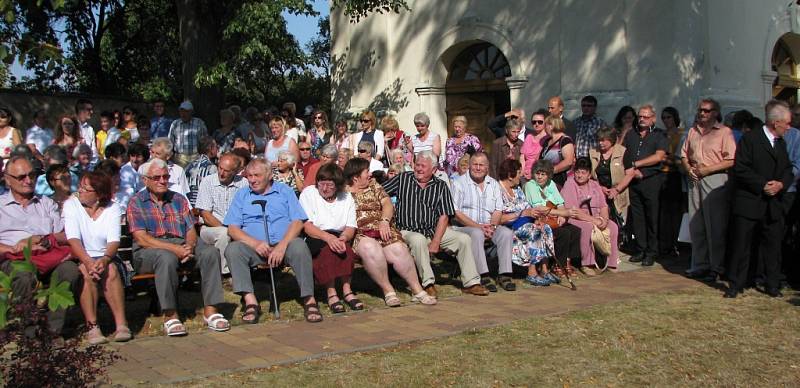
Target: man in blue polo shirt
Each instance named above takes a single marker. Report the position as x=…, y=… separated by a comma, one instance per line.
x=248, y=249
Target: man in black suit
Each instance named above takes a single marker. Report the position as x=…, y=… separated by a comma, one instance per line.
x=761, y=174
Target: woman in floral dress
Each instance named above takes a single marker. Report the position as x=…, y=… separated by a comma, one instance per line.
x=460, y=144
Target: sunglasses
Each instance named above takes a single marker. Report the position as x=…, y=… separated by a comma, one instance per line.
x=157, y=178
x=305, y=149
x=32, y=175
x=537, y=122
x=366, y=120
x=318, y=117
x=362, y=151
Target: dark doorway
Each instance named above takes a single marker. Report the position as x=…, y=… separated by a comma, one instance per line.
x=476, y=88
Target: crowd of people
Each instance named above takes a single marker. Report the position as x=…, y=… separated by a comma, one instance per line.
x=551, y=196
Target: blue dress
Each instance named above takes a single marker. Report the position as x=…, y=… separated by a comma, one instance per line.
x=532, y=242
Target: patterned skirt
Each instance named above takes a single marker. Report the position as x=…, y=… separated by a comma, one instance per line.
x=532, y=244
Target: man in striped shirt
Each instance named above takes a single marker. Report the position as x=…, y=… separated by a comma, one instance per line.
x=424, y=208
x=478, y=201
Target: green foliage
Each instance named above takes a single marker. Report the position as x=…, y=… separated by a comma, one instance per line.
x=359, y=9
x=58, y=295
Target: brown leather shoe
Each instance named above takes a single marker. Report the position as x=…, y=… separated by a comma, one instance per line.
x=477, y=289
x=431, y=290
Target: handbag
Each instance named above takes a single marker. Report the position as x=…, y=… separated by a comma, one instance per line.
x=45, y=260
x=601, y=239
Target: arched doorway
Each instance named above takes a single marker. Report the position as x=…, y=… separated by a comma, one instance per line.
x=786, y=62
x=476, y=88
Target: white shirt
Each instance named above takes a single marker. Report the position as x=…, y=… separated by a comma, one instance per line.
x=87, y=135
x=215, y=197
x=329, y=216
x=39, y=137
x=94, y=235
x=770, y=136
x=375, y=165
x=293, y=134
x=475, y=203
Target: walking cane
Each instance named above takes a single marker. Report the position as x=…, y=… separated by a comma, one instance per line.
x=263, y=204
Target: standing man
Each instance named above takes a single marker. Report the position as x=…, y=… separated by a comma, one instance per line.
x=555, y=105
x=306, y=159
x=506, y=147
x=762, y=172
x=645, y=150
x=83, y=111
x=202, y=167
x=707, y=154
x=478, y=200
x=159, y=124
x=213, y=199
x=586, y=127
x=185, y=134
x=164, y=237
x=424, y=208
x=37, y=137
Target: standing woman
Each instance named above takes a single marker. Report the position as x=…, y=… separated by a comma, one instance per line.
x=68, y=134
x=294, y=127
x=320, y=132
x=558, y=148
x=377, y=240
x=280, y=141
x=330, y=227
x=92, y=227
x=9, y=136
x=424, y=140
x=392, y=135
x=460, y=144
x=609, y=171
x=624, y=122
x=340, y=137
x=673, y=197
x=370, y=134
x=532, y=146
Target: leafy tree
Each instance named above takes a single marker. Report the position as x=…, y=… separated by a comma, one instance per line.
x=360, y=9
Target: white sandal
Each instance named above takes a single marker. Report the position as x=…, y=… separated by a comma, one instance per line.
x=392, y=300
x=215, y=318
x=424, y=298
x=174, y=328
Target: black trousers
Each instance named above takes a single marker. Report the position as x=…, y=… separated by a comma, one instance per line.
x=674, y=203
x=769, y=235
x=644, y=210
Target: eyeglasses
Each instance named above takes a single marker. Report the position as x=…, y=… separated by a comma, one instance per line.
x=362, y=151
x=85, y=189
x=157, y=178
x=305, y=149
x=365, y=120
x=326, y=184
x=704, y=110
x=537, y=122
x=318, y=117
x=22, y=177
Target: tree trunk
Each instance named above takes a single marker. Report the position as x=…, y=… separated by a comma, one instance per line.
x=200, y=36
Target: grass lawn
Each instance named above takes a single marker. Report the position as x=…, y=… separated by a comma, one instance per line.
x=686, y=338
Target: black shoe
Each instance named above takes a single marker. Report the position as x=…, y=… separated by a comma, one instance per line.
x=731, y=292
x=637, y=258
x=701, y=274
x=774, y=292
x=711, y=277
x=648, y=261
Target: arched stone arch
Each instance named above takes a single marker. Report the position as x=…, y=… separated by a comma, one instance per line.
x=782, y=23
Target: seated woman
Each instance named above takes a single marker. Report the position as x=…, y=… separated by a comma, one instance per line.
x=586, y=195
x=377, y=240
x=533, y=241
x=542, y=194
x=284, y=171
x=330, y=227
x=92, y=227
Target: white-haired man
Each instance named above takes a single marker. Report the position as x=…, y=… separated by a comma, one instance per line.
x=162, y=149
x=424, y=208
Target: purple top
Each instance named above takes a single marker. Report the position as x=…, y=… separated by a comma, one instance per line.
x=40, y=217
x=454, y=151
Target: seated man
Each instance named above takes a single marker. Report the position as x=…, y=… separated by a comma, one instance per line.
x=25, y=215
x=478, y=200
x=213, y=199
x=249, y=247
x=424, y=208
x=164, y=238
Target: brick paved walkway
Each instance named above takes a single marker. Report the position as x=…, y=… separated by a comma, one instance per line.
x=165, y=360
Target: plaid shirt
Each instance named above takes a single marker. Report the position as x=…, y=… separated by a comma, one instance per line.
x=186, y=136
x=172, y=219
x=586, y=134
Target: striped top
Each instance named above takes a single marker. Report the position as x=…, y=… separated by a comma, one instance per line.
x=475, y=203
x=418, y=209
